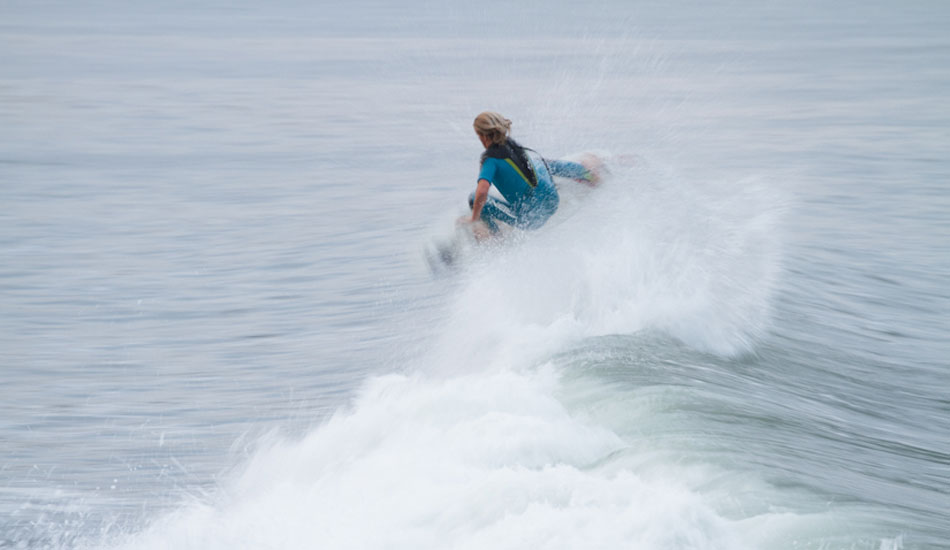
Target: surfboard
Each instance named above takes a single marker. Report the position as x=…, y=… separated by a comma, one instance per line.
x=442, y=255
x=450, y=252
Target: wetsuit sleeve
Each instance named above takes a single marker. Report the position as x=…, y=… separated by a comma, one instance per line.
x=568, y=169
x=489, y=167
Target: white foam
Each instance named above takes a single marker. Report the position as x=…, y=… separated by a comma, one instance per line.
x=472, y=462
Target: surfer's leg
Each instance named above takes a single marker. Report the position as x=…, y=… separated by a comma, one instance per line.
x=539, y=214
x=495, y=210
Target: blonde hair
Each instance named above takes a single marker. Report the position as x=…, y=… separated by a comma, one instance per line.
x=493, y=126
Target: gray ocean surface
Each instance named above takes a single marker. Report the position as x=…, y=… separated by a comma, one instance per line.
x=218, y=329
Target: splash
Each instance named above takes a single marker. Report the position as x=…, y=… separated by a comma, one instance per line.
x=646, y=251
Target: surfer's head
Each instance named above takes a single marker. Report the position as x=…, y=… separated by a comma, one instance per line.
x=492, y=128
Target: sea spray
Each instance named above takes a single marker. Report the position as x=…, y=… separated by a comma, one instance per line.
x=645, y=251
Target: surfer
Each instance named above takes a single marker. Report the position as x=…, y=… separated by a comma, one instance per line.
x=524, y=180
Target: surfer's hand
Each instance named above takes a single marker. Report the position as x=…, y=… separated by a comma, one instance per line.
x=464, y=220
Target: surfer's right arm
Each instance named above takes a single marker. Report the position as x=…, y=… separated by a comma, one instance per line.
x=481, y=195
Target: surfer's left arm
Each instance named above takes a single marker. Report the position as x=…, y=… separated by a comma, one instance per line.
x=586, y=171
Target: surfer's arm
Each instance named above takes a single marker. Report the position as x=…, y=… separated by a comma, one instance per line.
x=481, y=195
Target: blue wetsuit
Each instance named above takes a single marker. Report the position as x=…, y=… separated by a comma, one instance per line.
x=526, y=206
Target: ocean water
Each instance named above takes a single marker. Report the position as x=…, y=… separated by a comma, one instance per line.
x=218, y=329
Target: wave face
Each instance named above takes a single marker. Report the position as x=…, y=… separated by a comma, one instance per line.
x=546, y=410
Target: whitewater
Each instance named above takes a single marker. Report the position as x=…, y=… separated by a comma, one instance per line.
x=219, y=329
